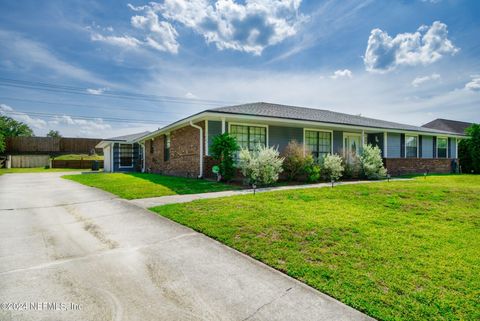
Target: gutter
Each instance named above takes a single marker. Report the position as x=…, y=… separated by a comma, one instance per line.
x=201, y=147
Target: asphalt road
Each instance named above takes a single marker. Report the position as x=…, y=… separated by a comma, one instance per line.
x=71, y=252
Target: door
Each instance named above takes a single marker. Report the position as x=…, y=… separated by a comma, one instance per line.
x=352, y=145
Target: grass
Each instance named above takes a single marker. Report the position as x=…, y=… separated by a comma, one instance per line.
x=38, y=170
x=140, y=185
x=79, y=157
x=404, y=250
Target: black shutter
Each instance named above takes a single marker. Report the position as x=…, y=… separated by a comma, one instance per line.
x=402, y=145
x=434, y=146
x=449, y=142
x=420, y=146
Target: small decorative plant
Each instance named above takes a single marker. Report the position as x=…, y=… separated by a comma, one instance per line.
x=372, y=163
x=223, y=150
x=295, y=160
x=261, y=166
x=332, y=167
x=311, y=169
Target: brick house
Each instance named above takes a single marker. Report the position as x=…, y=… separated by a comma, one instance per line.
x=182, y=148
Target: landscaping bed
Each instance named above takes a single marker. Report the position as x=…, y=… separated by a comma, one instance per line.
x=404, y=250
x=143, y=185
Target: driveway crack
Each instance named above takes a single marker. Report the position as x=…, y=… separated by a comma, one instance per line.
x=267, y=304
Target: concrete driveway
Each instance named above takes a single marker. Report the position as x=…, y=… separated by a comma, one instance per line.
x=71, y=252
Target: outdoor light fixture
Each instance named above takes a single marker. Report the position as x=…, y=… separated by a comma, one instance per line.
x=425, y=175
x=254, y=188
x=332, y=182
x=388, y=177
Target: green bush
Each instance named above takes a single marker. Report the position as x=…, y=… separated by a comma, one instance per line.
x=372, y=163
x=352, y=166
x=223, y=149
x=311, y=169
x=261, y=166
x=294, y=160
x=332, y=167
x=469, y=150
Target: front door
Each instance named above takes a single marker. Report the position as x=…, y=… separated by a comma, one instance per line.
x=352, y=145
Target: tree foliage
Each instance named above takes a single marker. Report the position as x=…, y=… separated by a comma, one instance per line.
x=469, y=150
x=54, y=134
x=332, y=167
x=10, y=127
x=261, y=166
x=372, y=163
x=223, y=149
x=294, y=160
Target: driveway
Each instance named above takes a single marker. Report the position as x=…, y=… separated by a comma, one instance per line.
x=71, y=252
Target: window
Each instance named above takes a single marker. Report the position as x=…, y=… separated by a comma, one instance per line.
x=126, y=155
x=166, y=148
x=442, y=144
x=249, y=136
x=411, y=146
x=318, y=143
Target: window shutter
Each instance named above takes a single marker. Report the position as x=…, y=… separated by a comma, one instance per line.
x=448, y=147
x=402, y=145
x=420, y=146
x=434, y=146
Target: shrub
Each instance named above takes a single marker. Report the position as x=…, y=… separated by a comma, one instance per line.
x=223, y=149
x=332, y=167
x=311, y=169
x=352, y=166
x=469, y=150
x=294, y=160
x=262, y=166
x=372, y=163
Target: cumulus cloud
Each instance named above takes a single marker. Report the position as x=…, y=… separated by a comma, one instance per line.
x=474, y=84
x=421, y=80
x=345, y=73
x=35, y=123
x=425, y=46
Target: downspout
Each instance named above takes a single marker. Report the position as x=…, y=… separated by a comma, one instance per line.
x=201, y=147
x=143, y=156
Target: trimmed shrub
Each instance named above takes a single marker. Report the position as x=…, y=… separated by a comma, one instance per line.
x=469, y=150
x=372, y=163
x=294, y=160
x=332, y=167
x=311, y=169
x=352, y=166
x=260, y=167
x=223, y=150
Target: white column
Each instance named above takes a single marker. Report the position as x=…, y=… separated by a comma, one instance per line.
x=363, y=138
x=456, y=147
x=223, y=125
x=385, y=138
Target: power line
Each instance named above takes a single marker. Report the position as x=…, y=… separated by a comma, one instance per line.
x=110, y=94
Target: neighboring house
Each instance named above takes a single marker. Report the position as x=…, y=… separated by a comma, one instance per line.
x=449, y=125
x=182, y=148
x=123, y=153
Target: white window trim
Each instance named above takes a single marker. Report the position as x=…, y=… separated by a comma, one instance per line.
x=251, y=125
x=317, y=130
x=206, y=138
x=436, y=147
x=119, y=161
x=350, y=134
x=405, y=147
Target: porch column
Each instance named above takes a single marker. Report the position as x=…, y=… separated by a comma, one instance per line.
x=385, y=137
x=363, y=138
x=223, y=125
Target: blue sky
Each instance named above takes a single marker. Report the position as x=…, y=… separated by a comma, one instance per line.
x=86, y=67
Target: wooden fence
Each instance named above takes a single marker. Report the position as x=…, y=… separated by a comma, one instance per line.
x=50, y=145
x=28, y=161
x=75, y=163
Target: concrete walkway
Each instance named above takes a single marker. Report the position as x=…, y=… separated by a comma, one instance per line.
x=173, y=199
x=103, y=258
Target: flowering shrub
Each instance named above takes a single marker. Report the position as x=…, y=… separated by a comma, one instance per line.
x=352, y=166
x=261, y=166
x=332, y=167
x=372, y=163
x=294, y=160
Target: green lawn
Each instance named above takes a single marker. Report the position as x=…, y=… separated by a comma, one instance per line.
x=139, y=185
x=38, y=170
x=404, y=250
x=79, y=157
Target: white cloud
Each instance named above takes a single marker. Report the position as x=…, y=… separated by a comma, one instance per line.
x=425, y=46
x=474, y=84
x=421, y=80
x=34, y=123
x=189, y=95
x=345, y=73
x=121, y=41
x=97, y=91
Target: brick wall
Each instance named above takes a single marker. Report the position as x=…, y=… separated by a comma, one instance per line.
x=184, y=153
x=400, y=166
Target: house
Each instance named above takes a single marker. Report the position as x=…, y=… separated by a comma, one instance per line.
x=448, y=125
x=182, y=148
x=123, y=153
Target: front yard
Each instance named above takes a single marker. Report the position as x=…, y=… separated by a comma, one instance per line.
x=142, y=185
x=396, y=251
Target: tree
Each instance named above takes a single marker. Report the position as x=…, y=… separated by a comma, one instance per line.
x=9, y=127
x=332, y=167
x=261, y=166
x=54, y=134
x=469, y=150
x=223, y=150
x=294, y=160
x=372, y=163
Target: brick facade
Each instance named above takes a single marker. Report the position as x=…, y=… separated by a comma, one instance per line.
x=400, y=166
x=184, y=153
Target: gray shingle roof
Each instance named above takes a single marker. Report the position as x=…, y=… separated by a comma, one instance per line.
x=448, y=125
x=319, y=115
x=128, y=138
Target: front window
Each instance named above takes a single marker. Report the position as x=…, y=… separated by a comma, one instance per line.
x=249, y=137
x=442, y=147
x=318, y=143
x=411, y=146
x=126, y=155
